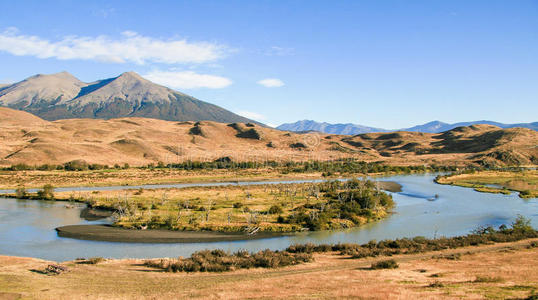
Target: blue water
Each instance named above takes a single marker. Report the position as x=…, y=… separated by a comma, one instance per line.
x=27, y=227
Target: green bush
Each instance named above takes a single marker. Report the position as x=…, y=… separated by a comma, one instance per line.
x=384, y=264
x=220, y=261
x=47, y=193
x=21, y=193
x=275, y=209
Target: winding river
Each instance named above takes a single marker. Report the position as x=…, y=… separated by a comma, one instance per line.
x=27, y=227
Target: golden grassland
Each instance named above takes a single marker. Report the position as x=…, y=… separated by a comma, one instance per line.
x=222, y=208
x=28, y=139
x=497, y=271
x=525, y=182
x=139, y=176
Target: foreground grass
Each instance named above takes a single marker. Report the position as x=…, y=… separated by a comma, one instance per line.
x=219, y=260
x=497, y=271
x=524, y=182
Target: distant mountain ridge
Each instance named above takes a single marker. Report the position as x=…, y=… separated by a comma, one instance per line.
x=63, y=96
x=309, y=125
x=353, y=129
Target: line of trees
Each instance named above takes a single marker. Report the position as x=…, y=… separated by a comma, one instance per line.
x=327, y=167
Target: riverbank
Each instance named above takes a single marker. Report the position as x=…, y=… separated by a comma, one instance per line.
x=497, y=271
x=109, y=233
x=497, y=182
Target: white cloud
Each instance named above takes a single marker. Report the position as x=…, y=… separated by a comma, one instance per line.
x=130, y=47
x=271, y=82
x=251, y=115
x=187, y=79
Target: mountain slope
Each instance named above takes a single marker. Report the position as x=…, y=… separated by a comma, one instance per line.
x=352, y=129
x=62, y=96
x=140, y=141
x=49, y=89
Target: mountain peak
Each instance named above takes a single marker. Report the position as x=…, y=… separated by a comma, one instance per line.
x=60, y=76
x=63, y=96
x=130, y=74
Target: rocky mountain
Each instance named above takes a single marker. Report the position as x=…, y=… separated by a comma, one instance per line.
x=309, y=125
x=438, y=126
x=63, y=96
x=352, y=129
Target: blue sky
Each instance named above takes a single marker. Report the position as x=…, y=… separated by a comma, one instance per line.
x=388, y=64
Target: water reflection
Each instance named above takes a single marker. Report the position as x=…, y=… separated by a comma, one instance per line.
x=27, y=227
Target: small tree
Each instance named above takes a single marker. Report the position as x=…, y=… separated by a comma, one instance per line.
x=522, y=224
x=20, y=192
x=275, y=209
x=47, y=193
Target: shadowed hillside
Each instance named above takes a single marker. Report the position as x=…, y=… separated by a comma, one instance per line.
x=139, y=141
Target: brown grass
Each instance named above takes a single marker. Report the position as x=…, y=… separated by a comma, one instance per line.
x=525, y=182
x=329, y=277
x=140, y=141
x=36, y=179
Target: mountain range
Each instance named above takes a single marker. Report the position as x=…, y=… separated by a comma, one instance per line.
x=353, y=129
x=63, y=96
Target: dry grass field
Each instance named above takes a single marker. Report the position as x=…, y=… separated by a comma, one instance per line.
x=27, y=139
x=498, y=271
x=136, y=176
x=524, y=182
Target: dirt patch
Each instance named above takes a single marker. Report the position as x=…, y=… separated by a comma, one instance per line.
x=113, y=234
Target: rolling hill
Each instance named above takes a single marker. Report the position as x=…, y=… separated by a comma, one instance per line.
x=63, y=96
x=28, y=139
x=430, y=127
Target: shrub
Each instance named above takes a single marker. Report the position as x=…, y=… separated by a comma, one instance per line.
x=488, y=279
x=76, y=165
x=196, y=130
x=297, y=146
x=249, y=134
x=522, y=224
x=237, y=205
x=20, y=192
x=54, y=269
x=220, y=261
x=436, y=284
x=91, y=260
x=275, y=209
x=95, y=260
x=384, y=264
x=47, y=193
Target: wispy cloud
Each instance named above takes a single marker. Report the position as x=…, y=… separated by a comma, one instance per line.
x=271, y=82
x=130, y=47
x=187, y=79
x=279, y=51
x=251, y=115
